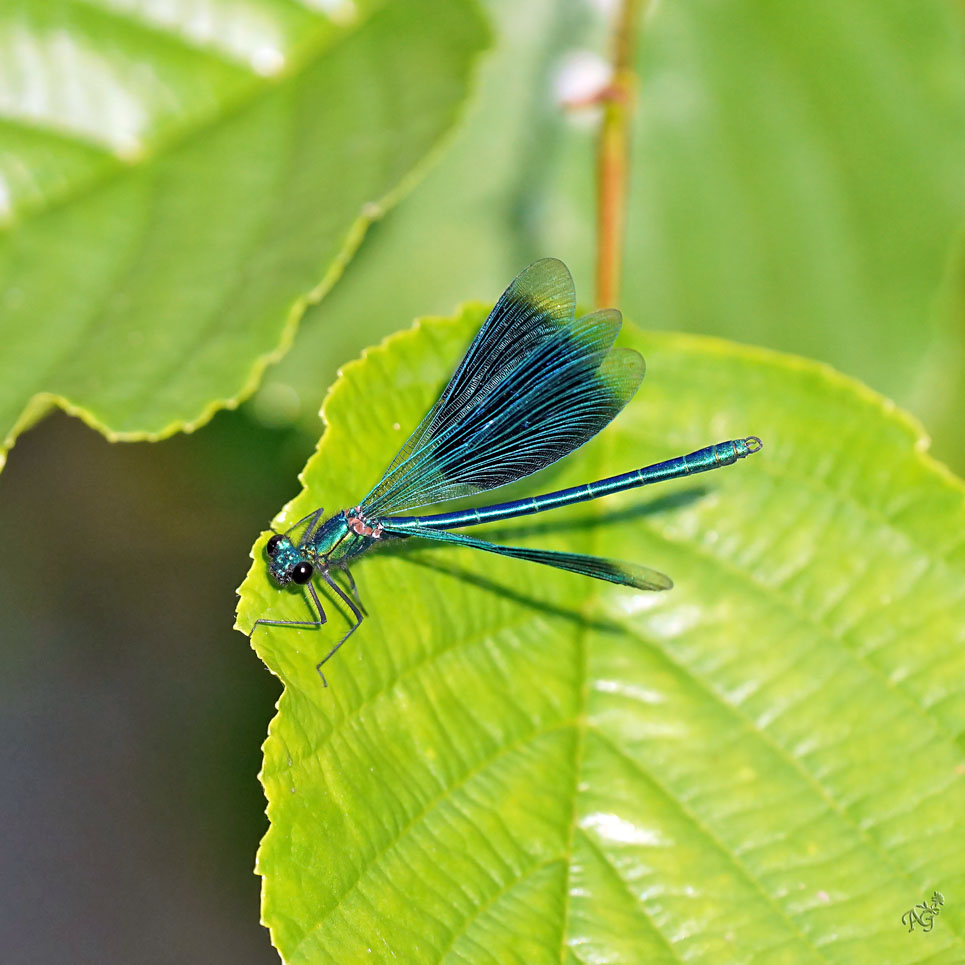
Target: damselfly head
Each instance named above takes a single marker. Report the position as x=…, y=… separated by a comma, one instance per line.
x=285, y=562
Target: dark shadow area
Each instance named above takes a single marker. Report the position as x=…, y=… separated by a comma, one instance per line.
x=571, y=615
x=131, y=713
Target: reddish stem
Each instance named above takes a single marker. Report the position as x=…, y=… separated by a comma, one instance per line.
x=613, y=157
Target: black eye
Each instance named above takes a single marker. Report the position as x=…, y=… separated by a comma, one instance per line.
x=271, y=547
x=302, y=572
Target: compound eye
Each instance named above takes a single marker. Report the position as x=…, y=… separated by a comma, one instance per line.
x=302, y=572
x=271, y=547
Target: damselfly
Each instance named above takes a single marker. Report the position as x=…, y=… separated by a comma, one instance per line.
x=535, y=384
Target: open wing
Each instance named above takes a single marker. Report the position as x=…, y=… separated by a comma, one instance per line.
x=535, y=384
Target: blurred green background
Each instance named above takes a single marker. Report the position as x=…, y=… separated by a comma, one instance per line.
x=796, y=183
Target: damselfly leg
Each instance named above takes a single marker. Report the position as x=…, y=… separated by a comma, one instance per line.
x=356, y=612
x=353, y=587
x=314, y=624
x=314, y=516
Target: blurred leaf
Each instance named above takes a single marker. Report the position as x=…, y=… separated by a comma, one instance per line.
x=467, y=229
x=176, y=185
x=516, y=764
x=796, y=183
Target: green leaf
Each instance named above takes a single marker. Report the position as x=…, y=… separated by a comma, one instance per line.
x=795, y=183
x=175, y=186
x=516, y=764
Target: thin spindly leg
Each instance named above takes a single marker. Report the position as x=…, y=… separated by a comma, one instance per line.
x=313, y=516
x=353, y=587
x=358, y=619
x=322, y=619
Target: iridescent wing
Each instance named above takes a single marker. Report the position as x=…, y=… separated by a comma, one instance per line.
x=535, y=384
x=613, y=571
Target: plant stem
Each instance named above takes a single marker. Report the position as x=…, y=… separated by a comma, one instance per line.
x=613, y=157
